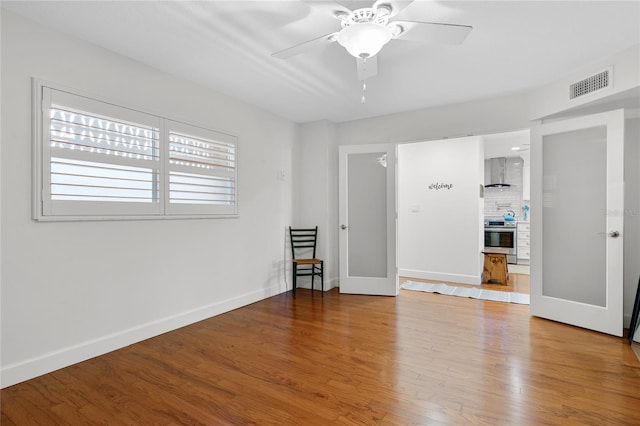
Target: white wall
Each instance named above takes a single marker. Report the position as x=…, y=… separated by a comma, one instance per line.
x=315, y=186
x=439, y=229
x=450, y=121
x=74, y=290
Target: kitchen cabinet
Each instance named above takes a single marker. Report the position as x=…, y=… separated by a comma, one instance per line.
x=524, y=242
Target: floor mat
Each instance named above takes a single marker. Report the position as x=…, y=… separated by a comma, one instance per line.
x=473, y=292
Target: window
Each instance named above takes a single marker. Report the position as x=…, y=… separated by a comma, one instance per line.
x=98, y=160
x=202, y=169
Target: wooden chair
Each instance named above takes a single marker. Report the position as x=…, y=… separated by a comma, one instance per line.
x=303, y=250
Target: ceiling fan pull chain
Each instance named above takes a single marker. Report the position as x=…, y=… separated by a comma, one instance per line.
x=364, y=82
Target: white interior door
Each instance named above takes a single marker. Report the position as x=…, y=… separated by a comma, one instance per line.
x=577, y=221
x=367, y=204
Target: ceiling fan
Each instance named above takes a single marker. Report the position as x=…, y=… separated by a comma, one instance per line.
x=366, y=30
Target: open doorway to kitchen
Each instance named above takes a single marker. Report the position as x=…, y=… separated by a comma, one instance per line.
x=443, y=201
x=507, y=197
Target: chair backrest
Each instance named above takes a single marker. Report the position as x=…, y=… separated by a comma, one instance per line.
x=303, y=242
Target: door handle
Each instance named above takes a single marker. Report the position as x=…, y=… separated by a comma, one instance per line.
x=343, y=226
x=612, y=234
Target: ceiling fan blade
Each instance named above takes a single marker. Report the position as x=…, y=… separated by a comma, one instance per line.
x=395, y=5
x=368, y=68
x=306, y=46
x=433, y=32
x=332, y=8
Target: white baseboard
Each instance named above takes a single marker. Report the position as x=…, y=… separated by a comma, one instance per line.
x=46, y=363
x=441, y=276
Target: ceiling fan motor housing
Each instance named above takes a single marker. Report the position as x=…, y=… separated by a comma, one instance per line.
x=378, y=16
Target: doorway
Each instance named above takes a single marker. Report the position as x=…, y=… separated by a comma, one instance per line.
x=441, y=208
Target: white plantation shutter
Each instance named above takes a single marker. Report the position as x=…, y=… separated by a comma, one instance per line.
x=100, y=159
x=95, y=159
x=202, y=170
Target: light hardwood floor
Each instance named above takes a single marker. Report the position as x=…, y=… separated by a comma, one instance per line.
x=420, y=358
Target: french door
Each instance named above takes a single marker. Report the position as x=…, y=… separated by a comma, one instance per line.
x=368, y=219
x=577, y=221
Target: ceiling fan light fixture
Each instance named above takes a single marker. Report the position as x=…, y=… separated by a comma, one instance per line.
x=364, y=39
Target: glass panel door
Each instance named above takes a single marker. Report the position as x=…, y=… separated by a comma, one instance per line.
x=367, y=237
x=574, y=195
x=367, y=202
x=577, y=222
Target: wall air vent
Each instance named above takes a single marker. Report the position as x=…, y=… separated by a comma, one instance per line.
x=599, y=81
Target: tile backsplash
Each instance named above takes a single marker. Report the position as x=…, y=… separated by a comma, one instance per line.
x=498, y=201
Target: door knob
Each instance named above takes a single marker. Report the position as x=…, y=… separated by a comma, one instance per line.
x=343, y=226
x=614, y=234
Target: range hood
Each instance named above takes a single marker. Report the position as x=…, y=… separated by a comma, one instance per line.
x=498, y=167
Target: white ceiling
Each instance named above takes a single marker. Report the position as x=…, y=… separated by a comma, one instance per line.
x=227, y=46
x=502, y=144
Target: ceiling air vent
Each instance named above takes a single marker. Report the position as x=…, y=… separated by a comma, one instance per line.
x=596, y=82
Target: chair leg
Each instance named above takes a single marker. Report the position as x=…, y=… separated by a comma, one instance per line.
x=322, y=276
x=313, y=276
x=294, y=269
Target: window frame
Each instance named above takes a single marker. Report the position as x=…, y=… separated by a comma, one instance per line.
x=45, y=209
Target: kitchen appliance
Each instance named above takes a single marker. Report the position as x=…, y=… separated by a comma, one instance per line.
x=498, y=169
x=500, y=236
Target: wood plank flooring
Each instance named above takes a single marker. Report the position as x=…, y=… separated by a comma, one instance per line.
x=420, y=358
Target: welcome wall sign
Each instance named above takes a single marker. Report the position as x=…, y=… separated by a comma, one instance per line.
x=437, y=186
